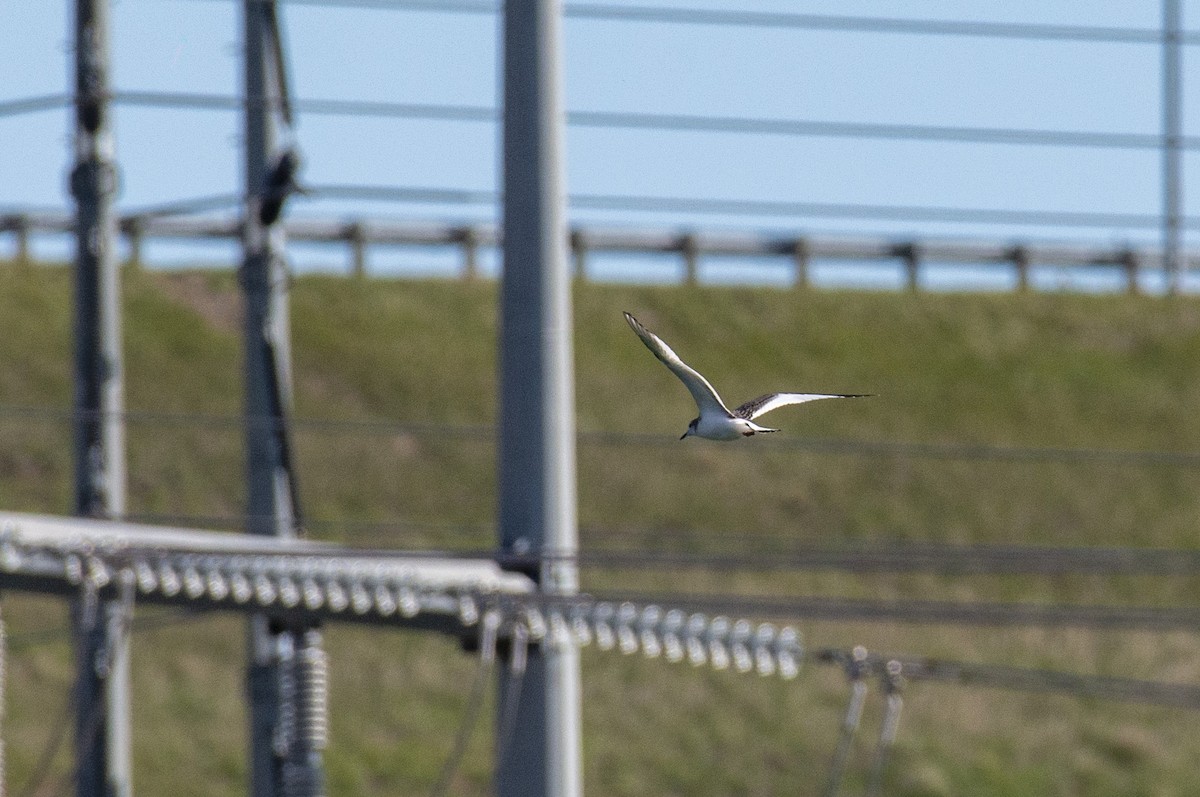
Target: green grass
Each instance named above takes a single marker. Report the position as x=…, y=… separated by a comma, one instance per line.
x=1041, y=370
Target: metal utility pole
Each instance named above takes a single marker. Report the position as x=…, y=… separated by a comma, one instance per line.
x=286, y=667
x=102, y=735
x=1172, y=106
x=537, y=399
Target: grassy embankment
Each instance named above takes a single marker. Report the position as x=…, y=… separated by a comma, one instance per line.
x=1044, y=371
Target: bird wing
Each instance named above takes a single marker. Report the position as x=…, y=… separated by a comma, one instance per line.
x=706, y=397
x=764, y=404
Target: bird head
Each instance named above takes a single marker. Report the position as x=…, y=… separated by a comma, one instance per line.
x=691, y=430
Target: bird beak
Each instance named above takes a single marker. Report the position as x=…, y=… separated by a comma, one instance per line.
x=685, y=434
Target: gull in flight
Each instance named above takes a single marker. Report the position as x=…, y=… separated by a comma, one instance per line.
x=716, y=421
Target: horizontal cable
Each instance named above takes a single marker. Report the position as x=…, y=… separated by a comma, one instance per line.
x=1157, y=693
x=331, y=107
x=870, y=448
x=407, y=194
x=766, y=207
x=765, y=553
x=187, y=206
x=881, y=556
x=856, y=24
x=852, y=210
x=422, y=195
x=833, y=129
x=677, y=122
x=46, y=102
x=154, y=620
x=770, y=19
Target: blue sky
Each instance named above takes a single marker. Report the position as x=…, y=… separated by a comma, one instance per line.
x=422, y=56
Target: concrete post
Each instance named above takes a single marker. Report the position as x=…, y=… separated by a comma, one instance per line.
x=284, y=759
x=102, y=732
x=537, y=506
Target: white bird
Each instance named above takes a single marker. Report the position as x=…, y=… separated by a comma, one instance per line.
x=716, y=421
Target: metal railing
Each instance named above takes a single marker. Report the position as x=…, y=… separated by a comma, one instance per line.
x=1131, y=264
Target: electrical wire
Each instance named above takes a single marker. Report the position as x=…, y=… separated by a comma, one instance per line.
x=866, y=24
x=889, y=727
x=854, y=210
x=157, y=620
x=91, y=716
x=462, y=738
x=768, y=207
x=881, y=556
x=24, y=105
x=181, y=207
x=45, y=761
x=784, y=19
x=851, y=719
x=676, y=122
x=513, y=685
x=1002, y=676
x=948, y=451
x=758, y=553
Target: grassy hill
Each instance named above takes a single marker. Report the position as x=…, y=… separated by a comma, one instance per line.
x=1025, y=409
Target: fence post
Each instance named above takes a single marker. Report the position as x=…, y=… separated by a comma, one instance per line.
x=1131, y=263
x=1020, y=260
x=469, y=239
x=135, y=233
x=356, y=236
x=19, y=224
x=579, y=251
x=689, y=247
x=801, y=259
x=910, y=253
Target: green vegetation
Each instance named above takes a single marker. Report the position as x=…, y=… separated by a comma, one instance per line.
x=398, y=361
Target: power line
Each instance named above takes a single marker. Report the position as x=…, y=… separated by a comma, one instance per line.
x=768, y=207
x=330, y=107
x=24, y=105
x=764, y=553
x=857, y=24
x=790, y=20
x=883, y=556
x=407, y=194
x=1157, y=693
x=155, y=620
x=973, y=452
x=825, y=128
x=190, y=205
x=475, y=698
x=677, y=122
x=867, y=211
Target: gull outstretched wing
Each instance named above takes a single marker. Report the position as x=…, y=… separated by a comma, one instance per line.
x=764, y=404
x=706, y=397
